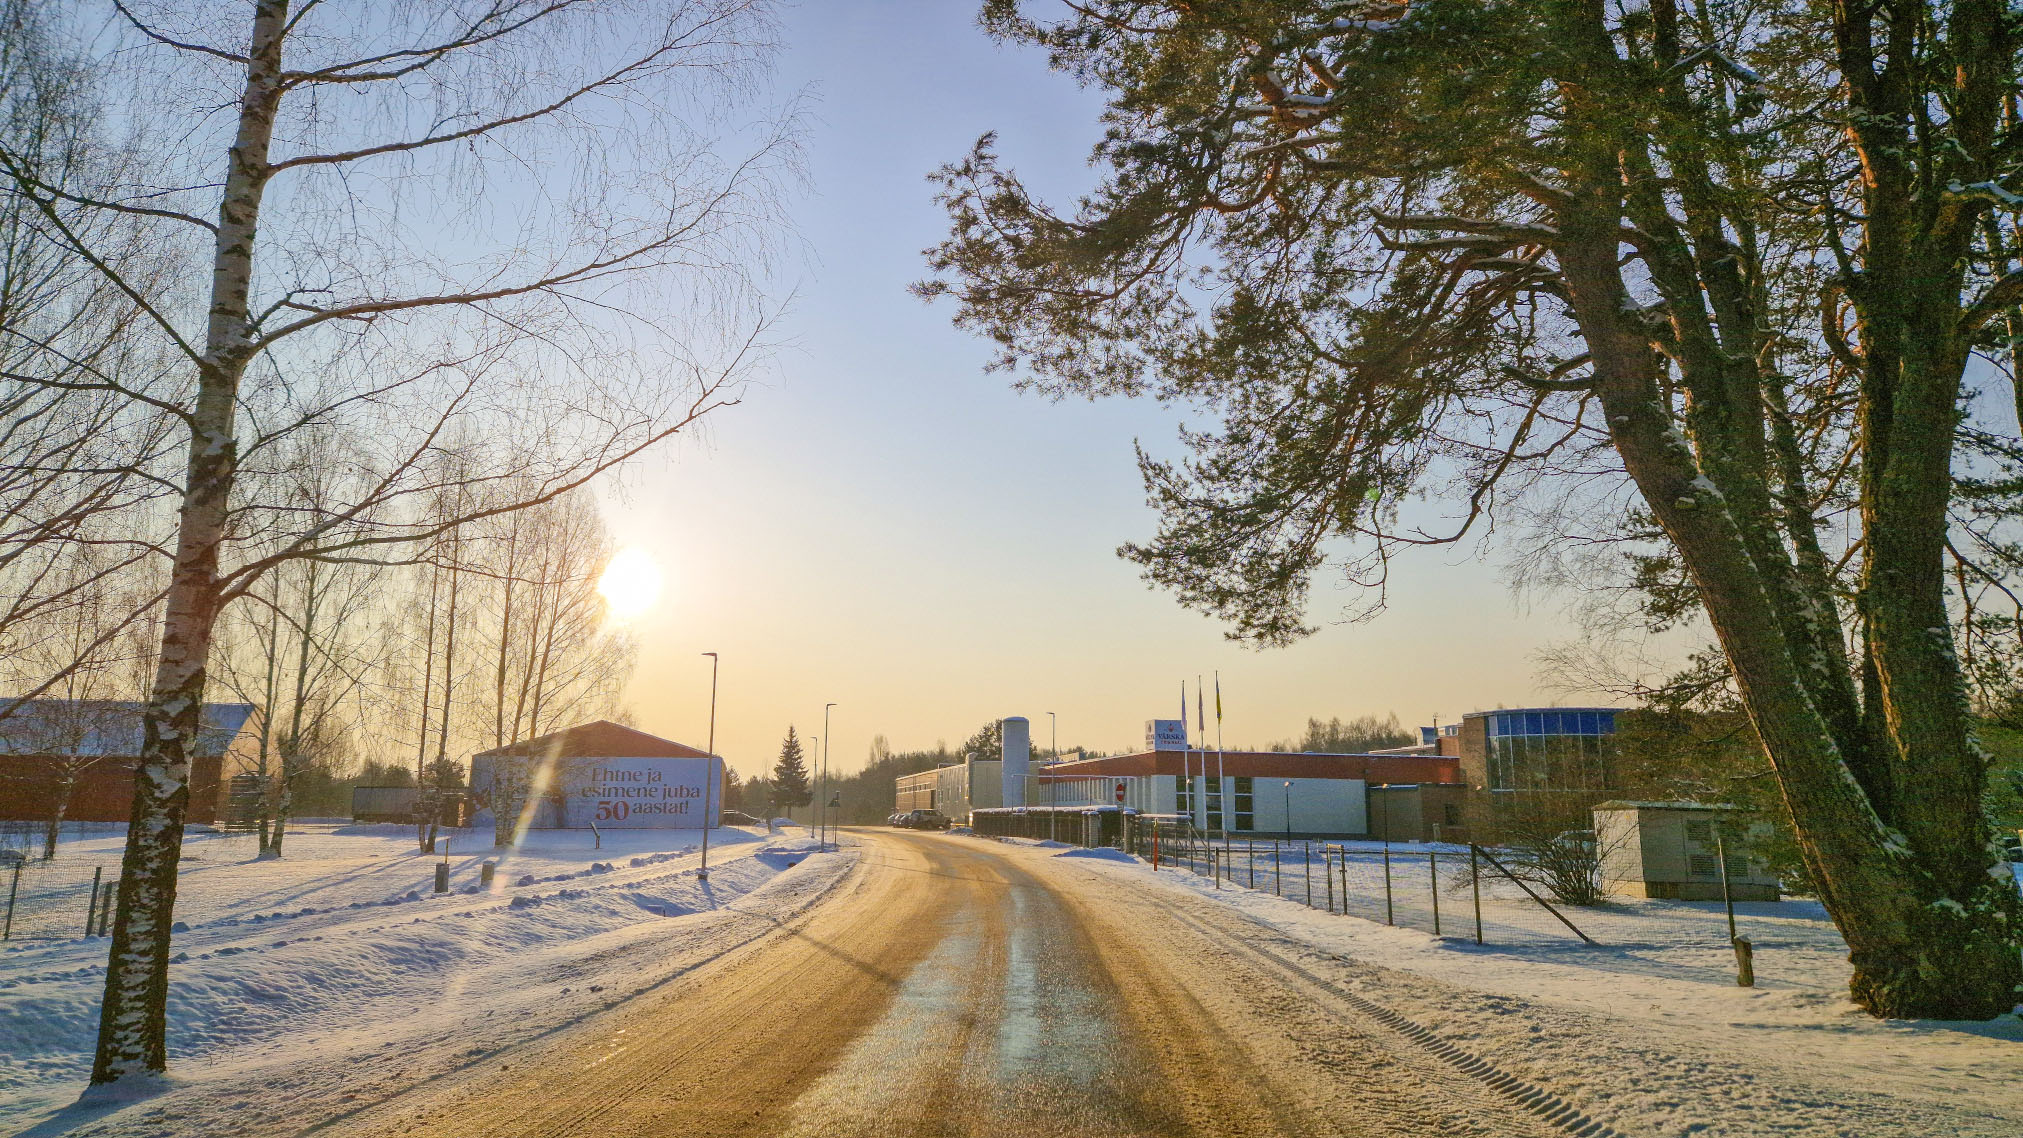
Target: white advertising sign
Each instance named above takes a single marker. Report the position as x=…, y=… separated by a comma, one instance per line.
x=1166, y=734
x=640, y=794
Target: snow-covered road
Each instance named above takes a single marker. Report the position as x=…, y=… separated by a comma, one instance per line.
x=944, y=984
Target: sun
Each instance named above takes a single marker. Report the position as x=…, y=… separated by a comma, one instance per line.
x=630, y=584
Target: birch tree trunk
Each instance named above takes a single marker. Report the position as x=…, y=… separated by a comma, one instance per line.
x=133, y=1017
x=292, y=743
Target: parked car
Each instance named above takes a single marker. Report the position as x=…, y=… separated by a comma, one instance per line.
x=2012, y=846
x=926, y=820
x=739, y=818
x=897, y=817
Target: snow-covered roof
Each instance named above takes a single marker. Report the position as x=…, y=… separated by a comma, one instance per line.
x=106, y=727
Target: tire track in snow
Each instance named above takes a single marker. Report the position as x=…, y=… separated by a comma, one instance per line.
x=1548, y=1108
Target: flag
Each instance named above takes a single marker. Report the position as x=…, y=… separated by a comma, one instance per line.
x=1218, y=697
x=1183, y=705
x=1200, y=709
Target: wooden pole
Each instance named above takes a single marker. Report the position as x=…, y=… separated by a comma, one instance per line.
x=1433, y=871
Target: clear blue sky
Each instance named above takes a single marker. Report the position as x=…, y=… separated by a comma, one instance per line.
x=883, y=525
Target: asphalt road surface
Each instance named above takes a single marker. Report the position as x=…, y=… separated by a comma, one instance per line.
x=946, y=989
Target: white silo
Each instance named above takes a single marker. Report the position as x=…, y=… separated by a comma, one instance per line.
x=1018, y=759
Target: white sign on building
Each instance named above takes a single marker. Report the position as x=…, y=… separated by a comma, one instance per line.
x=639, y=794
x=1165, y=734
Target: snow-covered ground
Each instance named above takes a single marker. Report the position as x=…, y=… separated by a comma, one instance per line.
x=342, y=948
x=1660, y=986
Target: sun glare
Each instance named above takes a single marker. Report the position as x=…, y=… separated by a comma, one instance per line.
x=631, y=583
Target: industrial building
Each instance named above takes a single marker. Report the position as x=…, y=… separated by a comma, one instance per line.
x=1264, y=792
x=1458, y=783
x=954, y=789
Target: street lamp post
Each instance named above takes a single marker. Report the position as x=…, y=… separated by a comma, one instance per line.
x=1288, y=810
x=822, y=842
x=710, y=774
x=1054, y=726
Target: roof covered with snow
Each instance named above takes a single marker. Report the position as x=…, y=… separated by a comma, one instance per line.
x=106, y=727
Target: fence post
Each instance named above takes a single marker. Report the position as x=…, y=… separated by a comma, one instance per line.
x=1727, y=898
x=1277, y=874
x=1249, y=860
x=1215, y=865
x=1547, y=905
x=1328, y=876
x=1745, y=962
x=1475, y=886
x=1390, y=918
x=1345, y=882
x=1307, y=863
x=7, y=930
x=91, y=906
x=105, y=907
x=1433, y=869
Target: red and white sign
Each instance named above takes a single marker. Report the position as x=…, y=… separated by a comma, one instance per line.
x=1120, y=791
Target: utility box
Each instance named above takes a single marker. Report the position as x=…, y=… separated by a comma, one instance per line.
x=1670, y=850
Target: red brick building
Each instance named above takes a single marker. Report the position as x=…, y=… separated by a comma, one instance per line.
x=94, y=745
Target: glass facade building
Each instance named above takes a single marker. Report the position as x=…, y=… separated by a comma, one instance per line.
x=1549, y=749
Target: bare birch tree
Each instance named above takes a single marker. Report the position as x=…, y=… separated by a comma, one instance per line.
x=504, y=228
x=82, y=444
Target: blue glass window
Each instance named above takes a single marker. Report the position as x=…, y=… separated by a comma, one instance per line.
x=1534, y=723
x=1608, y=719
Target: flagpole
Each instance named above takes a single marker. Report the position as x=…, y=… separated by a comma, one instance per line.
x=1201, y=721
x=1186, y=761
x=1218, y=732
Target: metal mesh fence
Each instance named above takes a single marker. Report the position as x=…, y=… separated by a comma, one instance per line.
x=72, y=894
x=52, y=899
x=1434, y=888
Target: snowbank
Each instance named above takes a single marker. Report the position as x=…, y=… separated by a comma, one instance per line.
x=344, y=941
x=1102, y=854
x=1657, y=995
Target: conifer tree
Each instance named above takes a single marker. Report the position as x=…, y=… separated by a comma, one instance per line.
x=1718, y=268
x=790, y=775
